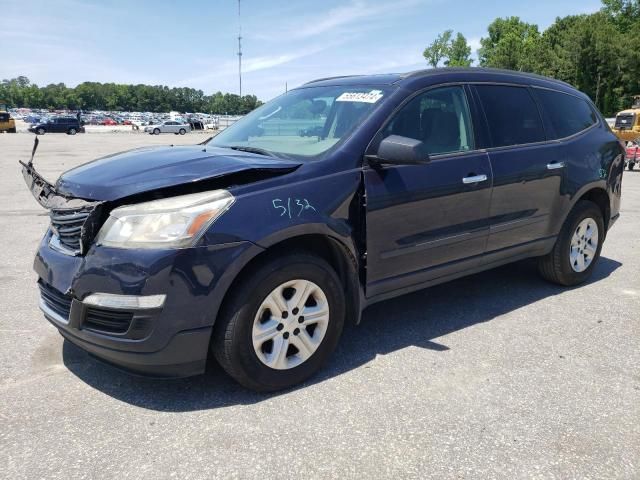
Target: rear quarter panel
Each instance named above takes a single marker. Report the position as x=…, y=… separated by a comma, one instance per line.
x=595, y=159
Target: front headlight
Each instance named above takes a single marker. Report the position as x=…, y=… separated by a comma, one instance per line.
x=173, y=222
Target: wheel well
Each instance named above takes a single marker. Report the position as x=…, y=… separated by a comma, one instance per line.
x=332, y=251
x=600, y=198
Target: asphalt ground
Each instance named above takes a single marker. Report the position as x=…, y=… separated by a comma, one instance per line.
x=497, y=375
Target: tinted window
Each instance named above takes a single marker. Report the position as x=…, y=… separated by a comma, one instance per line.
x=439, y=118
x=565, y=115
x=512, y=115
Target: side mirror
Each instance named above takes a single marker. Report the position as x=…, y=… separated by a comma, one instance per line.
x=402, y=151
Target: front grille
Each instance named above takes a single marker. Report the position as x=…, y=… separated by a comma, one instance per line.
x=108, y=321
x=625, y=121
x=67, y=225
x=55, y=300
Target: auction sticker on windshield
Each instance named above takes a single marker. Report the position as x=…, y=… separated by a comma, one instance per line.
x=372, y=97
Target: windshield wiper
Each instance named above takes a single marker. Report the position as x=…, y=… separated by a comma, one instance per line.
x=259, y=151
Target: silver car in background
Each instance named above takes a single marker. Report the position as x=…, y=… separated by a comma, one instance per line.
x=170, y=126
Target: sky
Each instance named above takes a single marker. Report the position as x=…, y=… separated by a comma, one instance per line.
x=285, y=42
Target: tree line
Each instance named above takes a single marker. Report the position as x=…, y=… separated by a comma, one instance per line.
x=597, y=53
x=21, y=93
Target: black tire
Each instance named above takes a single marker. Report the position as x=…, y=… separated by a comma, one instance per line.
x=631, y=165
x=12, y=130
x=556, y=266
x=72, y=131
x=156, y=131
x=182, y=131
x=232, y=337
x=41, y=131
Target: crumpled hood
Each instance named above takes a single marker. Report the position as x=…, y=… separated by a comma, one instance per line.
x=145, y=169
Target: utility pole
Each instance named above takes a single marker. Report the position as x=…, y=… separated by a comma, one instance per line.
x=239, y=49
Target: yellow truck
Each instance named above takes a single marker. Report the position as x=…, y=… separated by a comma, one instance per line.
x=7, y=124
x=627, y=126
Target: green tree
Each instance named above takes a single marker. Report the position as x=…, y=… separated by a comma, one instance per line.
x=459, y=54
x=511, y=44
x=438, y=50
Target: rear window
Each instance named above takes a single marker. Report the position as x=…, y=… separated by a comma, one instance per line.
x=512, y=115
x=565, y=115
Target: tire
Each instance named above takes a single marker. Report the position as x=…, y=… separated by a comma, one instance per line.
x=182, y=131
x=72, y=131
x=12, y=130
x=156, y=131
x=41, y=131
x=556, y=267
x=234, y=342
x=631, y=165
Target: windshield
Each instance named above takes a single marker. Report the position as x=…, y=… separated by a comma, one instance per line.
x=305, y=122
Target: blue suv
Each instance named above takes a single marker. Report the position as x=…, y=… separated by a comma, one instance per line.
x=259, y=244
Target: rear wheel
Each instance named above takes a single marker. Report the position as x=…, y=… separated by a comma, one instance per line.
x=182, y=131
x=12, y=130
x=281, y=323
x=72, y=131
x=631, y=165
x=577, y=248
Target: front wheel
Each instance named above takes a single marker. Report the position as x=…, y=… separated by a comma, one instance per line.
x=577, y=248
x=281, y=323
x=40, y=131
x=72, y=131
x=156, y=131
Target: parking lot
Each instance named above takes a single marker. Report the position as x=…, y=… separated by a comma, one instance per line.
x=498, y=375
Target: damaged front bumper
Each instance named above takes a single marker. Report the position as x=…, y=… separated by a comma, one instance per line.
x=168, y=339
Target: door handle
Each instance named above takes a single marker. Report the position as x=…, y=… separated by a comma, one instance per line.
x=474, y=179
x=555, y=165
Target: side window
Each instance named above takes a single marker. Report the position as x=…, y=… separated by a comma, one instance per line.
x=512, y=115
x=439, y=118
x=564, y=113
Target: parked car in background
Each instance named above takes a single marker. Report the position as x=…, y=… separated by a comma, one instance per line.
x=68, y=125
x=258, y=245
x=632, y=154
x=170, y=126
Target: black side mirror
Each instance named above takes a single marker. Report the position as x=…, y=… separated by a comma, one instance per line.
x=402, y=151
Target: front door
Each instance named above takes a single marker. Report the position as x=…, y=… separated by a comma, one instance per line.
x=431, y=220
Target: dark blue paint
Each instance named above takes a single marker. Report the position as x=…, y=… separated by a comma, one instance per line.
x=406, y=227
x=128, y=173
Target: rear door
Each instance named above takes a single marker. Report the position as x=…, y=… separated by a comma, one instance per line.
x=528, y=170
x=425, y=221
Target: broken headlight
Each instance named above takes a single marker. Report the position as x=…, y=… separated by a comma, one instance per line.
x=173, y=222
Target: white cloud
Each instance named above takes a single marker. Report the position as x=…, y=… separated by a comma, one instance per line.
x=335, y=18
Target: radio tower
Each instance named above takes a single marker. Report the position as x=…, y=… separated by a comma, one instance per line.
x=239, y=49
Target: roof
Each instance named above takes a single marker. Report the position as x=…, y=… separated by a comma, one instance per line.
x=474, y=74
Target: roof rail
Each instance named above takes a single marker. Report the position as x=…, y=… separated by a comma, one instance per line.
x=501, y=71
x=330, y=78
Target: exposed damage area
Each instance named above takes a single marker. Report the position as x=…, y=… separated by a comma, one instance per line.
x=77, y=218
x=74, y=221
